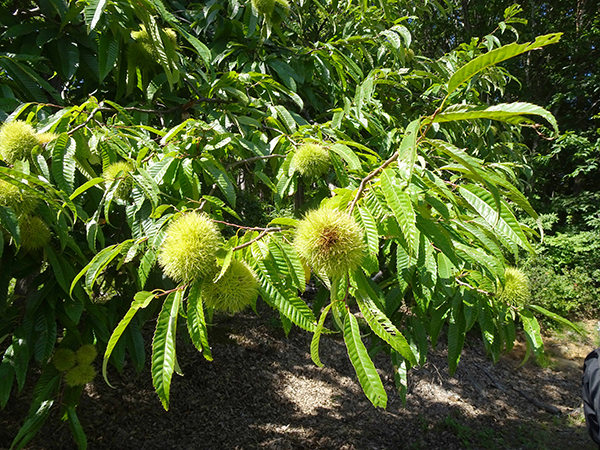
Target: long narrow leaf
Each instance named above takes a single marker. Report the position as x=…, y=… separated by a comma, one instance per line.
x=141, y=300
x=504, y=112
x=558, y=318
x=314, y=344
x=196, y=323
x=163, y=347
x=363, y=365
x=496, y=56
x=401, y=206
x=377, y=320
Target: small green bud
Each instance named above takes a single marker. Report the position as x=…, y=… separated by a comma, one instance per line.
x=516, y=290
x=330, y=241
x=21, y=201
x=234, y=291
x=86, y=354
x=123, y=171
x=35, y=234
x=17, y=141
x=63, y=359
x=44, y=138
x=311, y=160
x=80, y=375
x=189, y=249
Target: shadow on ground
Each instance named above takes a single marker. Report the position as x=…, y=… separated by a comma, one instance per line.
x=262, y=391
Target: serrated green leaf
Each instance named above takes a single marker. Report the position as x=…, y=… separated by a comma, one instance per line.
x=496, y=56
x=135, y=345
x=220, y=176
x=377, y=320
x=32, y=425
x=558, y=319
x=456, y=339
x=63, y=162
x=407, y=153
x=288, y=120
x=10, y=222
x=108, y=52
x=163, y=347
x=480, y=200
x=148, y=186
x=285, y=301
x=196, y=323
x=401, y=206
x=366, y=219
x=221, y=204
x=225, y=264
x=84, y=187
x=93, y=12
x=504, y=112
x=400, y=375
x=362, y=363
x=314, y=343
x=76, y=429
x=347, y=154
x=284, y=221
x=532, y=330
x=141, y=300
x=293, y=263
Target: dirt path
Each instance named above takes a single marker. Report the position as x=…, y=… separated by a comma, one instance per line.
x=263, y=392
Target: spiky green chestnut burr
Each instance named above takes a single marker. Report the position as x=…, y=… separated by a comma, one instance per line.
x=516, y=290
x=330, y=241
x=80, y=375
x=264, y=7
x=189, y=249
x=234, y=291
x=311, y=160
x=123, y=171
x=21, y=201
x=17, y=141
x=141, y=52
x=63, y=359
x=86, y=354
x=171, y=34
x=34, y=233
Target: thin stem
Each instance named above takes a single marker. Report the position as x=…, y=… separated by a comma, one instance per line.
x=481, y=291
x=257, y=238
x=178, y=288
x=390, y=160
x=255, y=158
x=269, y=230
x=369, y=177
x=88, y=120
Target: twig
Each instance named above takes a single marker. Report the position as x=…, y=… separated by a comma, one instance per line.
x=268, y=230
x=255, y=158
x=88, y=120
x=369, y=177
x=481, y=291
x=496, y=384
x=257, y=238
x=546, y=407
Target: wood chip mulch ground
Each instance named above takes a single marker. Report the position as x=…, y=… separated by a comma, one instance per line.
x=262, y=391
